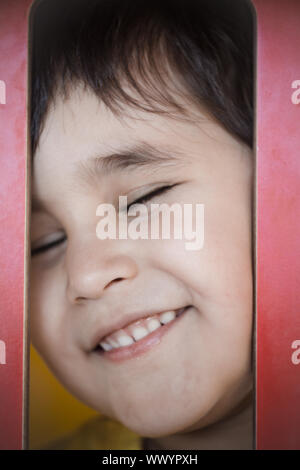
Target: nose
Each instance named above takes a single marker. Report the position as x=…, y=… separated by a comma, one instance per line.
x=92, y=270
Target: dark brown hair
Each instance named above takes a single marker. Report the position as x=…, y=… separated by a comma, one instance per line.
x=160, y=49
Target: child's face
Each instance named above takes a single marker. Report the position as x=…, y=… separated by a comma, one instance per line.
x=84, y=288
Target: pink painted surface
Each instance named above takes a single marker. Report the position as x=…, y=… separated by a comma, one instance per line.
x=278, y=225
x=13, y=134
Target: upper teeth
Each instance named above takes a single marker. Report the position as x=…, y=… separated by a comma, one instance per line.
x=136, y=331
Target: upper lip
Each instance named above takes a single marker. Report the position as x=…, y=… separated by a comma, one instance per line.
x=123, y=321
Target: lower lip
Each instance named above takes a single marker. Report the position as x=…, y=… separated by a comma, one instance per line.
x=141, y=346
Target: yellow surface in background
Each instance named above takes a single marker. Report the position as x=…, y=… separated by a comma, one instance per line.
x=53, y=411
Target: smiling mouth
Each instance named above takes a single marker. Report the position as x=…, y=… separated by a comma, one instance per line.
x=138, y=330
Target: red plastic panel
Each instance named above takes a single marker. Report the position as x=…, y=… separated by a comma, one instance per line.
x=278, y=225
x=13, y=147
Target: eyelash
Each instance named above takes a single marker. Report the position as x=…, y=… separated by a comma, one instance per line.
x=141, y=200
x=150, y=195
x=47, y=247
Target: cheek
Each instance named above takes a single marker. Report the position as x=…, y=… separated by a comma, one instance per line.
x=46, y=309
x=220, y=271
x=222, y=267
x=218, y=277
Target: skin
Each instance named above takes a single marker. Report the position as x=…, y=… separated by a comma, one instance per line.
x=184, y=391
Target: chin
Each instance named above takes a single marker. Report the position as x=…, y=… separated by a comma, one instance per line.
x=157, y=425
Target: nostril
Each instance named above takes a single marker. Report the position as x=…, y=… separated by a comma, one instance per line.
x=79, y=299
x=118, y=279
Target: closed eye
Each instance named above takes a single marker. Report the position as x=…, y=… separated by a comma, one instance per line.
x=141, y=200
x=48, y=246
x=152, y=194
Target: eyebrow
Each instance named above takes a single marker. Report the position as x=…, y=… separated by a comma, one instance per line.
x=139, y=156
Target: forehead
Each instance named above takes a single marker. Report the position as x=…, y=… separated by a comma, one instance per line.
x=78, y=126
x=82, y=116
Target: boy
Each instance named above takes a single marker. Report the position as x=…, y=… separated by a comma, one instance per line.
x=153, y=101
